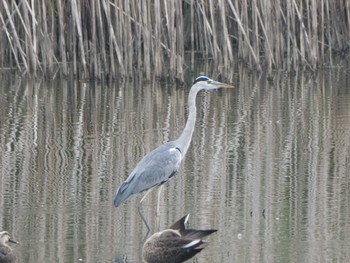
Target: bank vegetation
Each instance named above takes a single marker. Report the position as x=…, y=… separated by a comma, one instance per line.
x=94, y=39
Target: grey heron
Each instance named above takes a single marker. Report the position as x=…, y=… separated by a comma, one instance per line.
x=175, y=244
x=7, y=254
x=161, y=164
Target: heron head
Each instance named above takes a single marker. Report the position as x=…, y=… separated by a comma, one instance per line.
x=209, y=84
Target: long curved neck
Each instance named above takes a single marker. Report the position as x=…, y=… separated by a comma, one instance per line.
x=186, y=135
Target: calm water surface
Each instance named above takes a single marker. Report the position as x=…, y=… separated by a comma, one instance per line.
x=268, y=167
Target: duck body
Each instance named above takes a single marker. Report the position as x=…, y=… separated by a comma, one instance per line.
x=7, y=254
x=176, y=244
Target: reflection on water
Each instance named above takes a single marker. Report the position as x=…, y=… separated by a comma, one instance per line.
x=268, y=166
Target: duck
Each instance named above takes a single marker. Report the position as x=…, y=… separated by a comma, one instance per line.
x=7, y=254
x=175, y=244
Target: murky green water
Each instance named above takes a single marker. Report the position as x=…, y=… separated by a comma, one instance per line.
x=268, y=167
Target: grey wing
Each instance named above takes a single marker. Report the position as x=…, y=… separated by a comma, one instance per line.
x=155, y=168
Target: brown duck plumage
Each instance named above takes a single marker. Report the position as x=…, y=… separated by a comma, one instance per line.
x=176, y=244
x=7, y=254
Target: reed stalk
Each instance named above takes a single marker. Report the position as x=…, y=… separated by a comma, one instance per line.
x=115, y=38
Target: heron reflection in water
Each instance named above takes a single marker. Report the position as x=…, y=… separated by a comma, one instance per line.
x=161, y=164
x=176, y=244
x=7, y=254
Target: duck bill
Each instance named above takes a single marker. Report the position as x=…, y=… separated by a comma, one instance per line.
x=13, y=241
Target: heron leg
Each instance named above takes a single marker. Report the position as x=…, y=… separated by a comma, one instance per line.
x=144, y=219
x=140, y=212
x=158, y=207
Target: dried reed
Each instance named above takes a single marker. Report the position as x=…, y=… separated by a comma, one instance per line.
x=113, y=38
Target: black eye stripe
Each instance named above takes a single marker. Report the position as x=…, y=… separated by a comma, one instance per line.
x=201, y=78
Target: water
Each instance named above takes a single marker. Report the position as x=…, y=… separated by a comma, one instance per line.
x=268, y=167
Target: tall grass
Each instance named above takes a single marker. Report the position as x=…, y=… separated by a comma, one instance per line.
x=113, y=38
